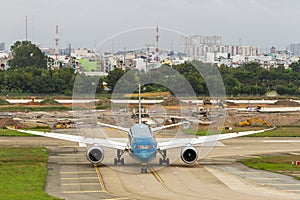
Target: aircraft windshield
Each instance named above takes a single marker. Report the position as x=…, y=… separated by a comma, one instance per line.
x=140, y=130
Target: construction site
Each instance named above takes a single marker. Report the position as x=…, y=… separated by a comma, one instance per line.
x=237, y=116
x=70, y=176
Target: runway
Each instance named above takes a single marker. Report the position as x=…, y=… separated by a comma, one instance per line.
x=218, y=176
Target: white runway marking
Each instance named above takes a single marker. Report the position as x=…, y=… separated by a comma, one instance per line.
x=296, y=154
x=78, y=192
x=248, y=172
x=252, y=156
x=80, y=184
x=79, y=172
x=282, y=141
x=283, y=184
x=79, y=178
x=265, y=178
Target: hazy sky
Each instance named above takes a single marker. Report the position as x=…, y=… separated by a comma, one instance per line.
x=84, y=23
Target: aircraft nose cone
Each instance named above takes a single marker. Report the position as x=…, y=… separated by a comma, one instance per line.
x=146, y=156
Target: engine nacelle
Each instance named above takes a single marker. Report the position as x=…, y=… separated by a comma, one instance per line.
x=95, y=155
x=189, y=155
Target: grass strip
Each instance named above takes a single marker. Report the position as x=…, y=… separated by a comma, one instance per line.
x=14, y=133
x=33, y=108
x=23, y=172
x=280, y=164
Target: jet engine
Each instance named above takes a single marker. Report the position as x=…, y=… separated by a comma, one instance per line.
x=189, y=155
x=95, y=155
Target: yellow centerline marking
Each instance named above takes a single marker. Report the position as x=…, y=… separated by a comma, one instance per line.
x=156, y=175
x=102, y=185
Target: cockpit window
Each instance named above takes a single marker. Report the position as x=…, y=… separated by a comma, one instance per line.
x=140, y=130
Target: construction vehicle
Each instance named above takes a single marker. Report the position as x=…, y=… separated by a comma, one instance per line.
x=200, y=112
x=65, y=124
x=249, y=122
x=207, y=102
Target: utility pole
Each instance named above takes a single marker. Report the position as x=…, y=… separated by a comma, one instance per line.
x=26, y=31
x=124, y=58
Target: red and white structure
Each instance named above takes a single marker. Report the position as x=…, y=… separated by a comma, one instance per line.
x=56, y=38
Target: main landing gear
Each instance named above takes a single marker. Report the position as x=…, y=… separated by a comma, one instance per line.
x=164, y=160
x=118, y=159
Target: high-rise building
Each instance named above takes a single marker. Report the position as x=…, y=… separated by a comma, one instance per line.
x=294, y=48
x=199, y=46
x=2, y=46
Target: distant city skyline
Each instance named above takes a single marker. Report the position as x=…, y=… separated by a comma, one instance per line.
x=263, y=23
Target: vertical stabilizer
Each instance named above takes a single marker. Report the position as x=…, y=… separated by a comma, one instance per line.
x=140, y=106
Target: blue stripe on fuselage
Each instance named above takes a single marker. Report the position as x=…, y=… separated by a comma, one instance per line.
x=143, y=149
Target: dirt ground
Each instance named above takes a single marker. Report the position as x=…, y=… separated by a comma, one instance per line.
x=233, y=117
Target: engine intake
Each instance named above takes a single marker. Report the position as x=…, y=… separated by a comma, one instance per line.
x=95, y=155
x=189, y=155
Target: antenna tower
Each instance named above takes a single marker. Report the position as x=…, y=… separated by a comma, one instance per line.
x=56, y=38
x=156, y=47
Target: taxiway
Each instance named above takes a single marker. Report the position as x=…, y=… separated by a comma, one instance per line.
x=217, y=176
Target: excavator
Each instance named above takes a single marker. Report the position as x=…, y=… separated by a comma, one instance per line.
x=249, y=122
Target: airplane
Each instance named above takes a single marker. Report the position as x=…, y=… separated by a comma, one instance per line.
x=142, y=145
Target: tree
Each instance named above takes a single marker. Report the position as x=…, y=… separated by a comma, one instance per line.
x=113, y=77
x=27, y=54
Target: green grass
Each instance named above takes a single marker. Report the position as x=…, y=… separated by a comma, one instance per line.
x=23, y=173
x=88, y=65
x=34, y=108
x=49, y=101
x=3, y=102
x=13, y=133
x=198, y=133
x=279, y=164
x=280, y=132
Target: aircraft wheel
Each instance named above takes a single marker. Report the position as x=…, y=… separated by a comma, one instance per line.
x=167, y=161
x=160, y=161
x=143, y=170
x=122, y=161
x=115, y=161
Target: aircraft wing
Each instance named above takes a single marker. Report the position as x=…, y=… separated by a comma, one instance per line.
x=80, y=139
x=164, y=127
x=127, y=130
x=203, y=140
